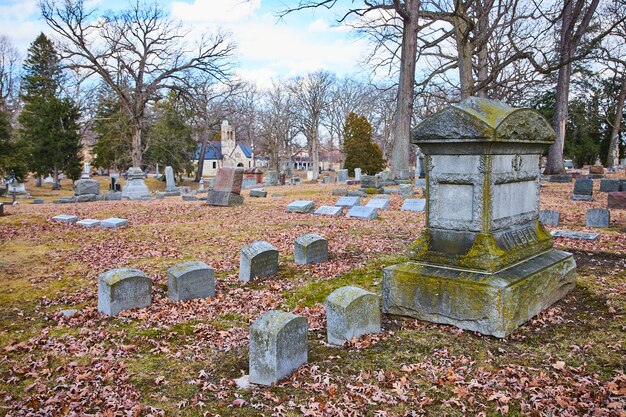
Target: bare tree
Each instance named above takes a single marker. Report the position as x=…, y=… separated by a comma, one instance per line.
x=9, y=74
x=137, y=52
x=311, y=95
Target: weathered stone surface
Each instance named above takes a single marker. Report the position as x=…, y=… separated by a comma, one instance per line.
x=38, y=201
x=574, y=235
x=492, y=303
x=414, y=204
x=329, y=211
x=357, y=193
x=65, y=218
x=310, y=248
x=379, y=203
x=420, y=183
x=596, y=169
x=258, y=259
x=598, y=217
x=342, y=175
x=340, y=191
x=228, y=180
x=67, y=200
x=170, y=181
x=388, y=190
x=258, y=193
x=224, y=199
x=278, y=346
x=188, y=197
x=135, y=187
x=88, y=223
x=583, y=186
x=560, y=178
x=123, y=289
x=351, y=312
x=326, y=180
x=370, y=181
x=248, y=183
x=190, y=280
x=582, y=197
x=113, y=223
x=357, y=174
x=348, y=201
x=300, y=206
x=608, y=186
x=363, y=212
x=406, y=190
x=617, y=200
x=550, y=217
x=86, y=198
x=113, y=196
x=82, y=187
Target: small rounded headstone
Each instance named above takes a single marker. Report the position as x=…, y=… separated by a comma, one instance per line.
x=190, y=280
x=123, y=289
x=257, y=259
x=278, y=346
x=310, y=248
x=351, y=312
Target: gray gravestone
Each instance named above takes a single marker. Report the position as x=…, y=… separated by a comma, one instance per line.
x=271, y=178
x=329, y=211
x=278, y=346
x=357, y=174
x=258, y=193
x=310, y=248
x=388, y=190
x=583, y=189
x=357, y=193
x=88, y=223
x=258, y=259
x=561, y=178
x=339, y=191
x=363, y=212
x=484, y=261
x=549, y=217
x=170, y=181
x=190, y=280
x=609, y=186
x=342, y=175
x=300, y=206
x=414, y=204
x=86, y=186
x=248, y=183
x=135, y=187
x=113, y=223
x=348, y=202
x=351, y=312
x=326, y=180
x=65, y=218
x=38, y=201
x=406, y=190
x=379, y=203
x=223, y=198
x=370, y=181
x=574, y=235
x=598, y=217
x=123, y=289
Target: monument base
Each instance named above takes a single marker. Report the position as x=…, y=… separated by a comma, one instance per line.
x=489, y=303
x=223, y=198
x=135, y=188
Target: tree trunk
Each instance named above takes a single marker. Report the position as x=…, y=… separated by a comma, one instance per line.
x=38, y=181
x=559, y=123
x=465, y=52
x=136, y=148
x=205, y=139
x=482, y=54
x=56, y=184
x=612, y=159
x=315, y=153
x=402, y=120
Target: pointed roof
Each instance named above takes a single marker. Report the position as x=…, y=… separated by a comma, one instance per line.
x=482, y=120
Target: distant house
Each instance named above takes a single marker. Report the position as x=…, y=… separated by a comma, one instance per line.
x=225, y=153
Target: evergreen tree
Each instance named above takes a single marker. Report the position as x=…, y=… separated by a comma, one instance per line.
x=169, y=138
x=12, y=158
x=359, y=149
x=112, y=127
x=49, y=122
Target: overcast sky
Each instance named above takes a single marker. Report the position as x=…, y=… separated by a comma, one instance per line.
x=302, y=42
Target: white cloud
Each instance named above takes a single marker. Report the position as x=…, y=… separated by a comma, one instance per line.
x=215, y=11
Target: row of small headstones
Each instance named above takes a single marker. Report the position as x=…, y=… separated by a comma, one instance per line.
x=367, y=212
x=195, y=279
x=110, y=223
x=595, y=217
x=583, y=188
x=278, y=339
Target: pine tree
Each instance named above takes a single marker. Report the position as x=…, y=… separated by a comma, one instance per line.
x=359, y=149
x=12, y=158
x=112, y=127
x=49, y=122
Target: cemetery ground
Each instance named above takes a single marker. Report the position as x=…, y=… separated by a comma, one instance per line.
x=182, y=358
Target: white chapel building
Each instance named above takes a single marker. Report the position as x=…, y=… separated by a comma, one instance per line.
x=225, y=153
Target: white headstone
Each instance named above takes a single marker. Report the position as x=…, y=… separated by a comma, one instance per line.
x=348, y=201
x=414, y=204
x=357, y=174
x=363, y=212
x=329, y=210
x=379, y=203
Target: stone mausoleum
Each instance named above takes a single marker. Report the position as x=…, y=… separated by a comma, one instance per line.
x=484, y=261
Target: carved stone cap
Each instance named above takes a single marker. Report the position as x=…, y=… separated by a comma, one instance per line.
x=482, y=120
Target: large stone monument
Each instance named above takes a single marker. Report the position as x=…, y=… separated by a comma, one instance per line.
x=484, y=261
x=227, y=188
x=135, y=187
